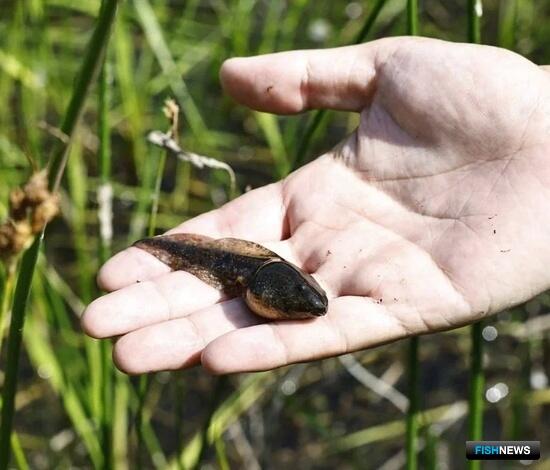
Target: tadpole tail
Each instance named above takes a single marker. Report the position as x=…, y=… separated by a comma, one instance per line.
x=164, y=248
x=185, y=252
x=177, y=250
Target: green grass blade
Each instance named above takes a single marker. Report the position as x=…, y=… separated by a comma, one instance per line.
x=133, y=106
x=120, y=422
x=156, y=193
x=77, y=185
x=369, y=22
x=393, y=429
x=507, y=23
x=413, y=409
x=272, y=24
x=475, y=11
x=272, y=133
x=215, y=399
x=18, y=454
x=412, y=17
x=12, y=66
x=7, y=292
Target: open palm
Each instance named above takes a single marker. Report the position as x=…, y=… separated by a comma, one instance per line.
x=431, y=215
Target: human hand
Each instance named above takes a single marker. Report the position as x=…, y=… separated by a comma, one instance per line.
x=431, y=215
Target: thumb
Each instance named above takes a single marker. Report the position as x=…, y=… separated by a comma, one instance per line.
x=291, y=82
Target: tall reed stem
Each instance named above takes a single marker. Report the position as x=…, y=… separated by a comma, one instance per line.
x=6, y=300
x=475, y=11
x=156, y=195
x=412, y=411
x=412, y=17
x=92, y=60
x=477, y=383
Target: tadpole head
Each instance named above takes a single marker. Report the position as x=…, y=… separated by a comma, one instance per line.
x=280, y=290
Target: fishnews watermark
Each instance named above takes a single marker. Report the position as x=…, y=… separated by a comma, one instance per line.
x=502, y=450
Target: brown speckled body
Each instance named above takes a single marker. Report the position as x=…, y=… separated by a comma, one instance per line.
x=271, y=286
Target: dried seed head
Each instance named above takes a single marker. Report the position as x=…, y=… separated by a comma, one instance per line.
x=14, y=238
x=36, y=189
x=44, y=212
x=30, y=208
x=171, y=110
x=18, y=208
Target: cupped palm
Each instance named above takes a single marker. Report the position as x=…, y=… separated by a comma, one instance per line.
x=432, y=214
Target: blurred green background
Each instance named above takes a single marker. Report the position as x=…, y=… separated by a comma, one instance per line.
x=73, y=410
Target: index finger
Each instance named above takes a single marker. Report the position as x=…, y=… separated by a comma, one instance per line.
x=259, y=215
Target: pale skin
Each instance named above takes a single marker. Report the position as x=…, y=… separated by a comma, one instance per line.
x=433, y=214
